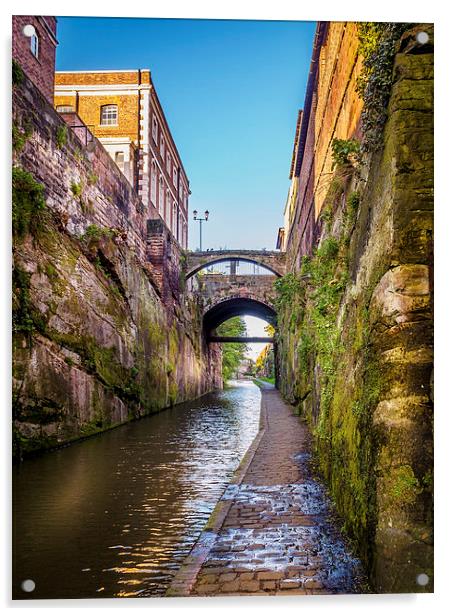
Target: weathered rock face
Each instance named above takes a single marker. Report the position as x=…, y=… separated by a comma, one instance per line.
x=355, y=347
x=102, y=335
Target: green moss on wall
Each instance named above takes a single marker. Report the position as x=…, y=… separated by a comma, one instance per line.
x=28, y=203
x=354, y=334
x=312, y=322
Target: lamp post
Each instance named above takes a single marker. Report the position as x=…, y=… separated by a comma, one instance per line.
x=201, y=220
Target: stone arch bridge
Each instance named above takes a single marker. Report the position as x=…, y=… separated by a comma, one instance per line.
x=271, y=260
x=225, y=296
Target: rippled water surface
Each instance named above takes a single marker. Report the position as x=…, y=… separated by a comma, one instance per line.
x=115, y=515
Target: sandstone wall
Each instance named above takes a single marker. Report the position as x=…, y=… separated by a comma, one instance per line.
x=355, y=337
x=334, y=113
x=102, y=331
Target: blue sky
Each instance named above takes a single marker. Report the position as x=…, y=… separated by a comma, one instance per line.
x=231, y=91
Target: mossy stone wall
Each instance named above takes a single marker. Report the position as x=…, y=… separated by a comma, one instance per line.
x=97, y=339
x=355, y=339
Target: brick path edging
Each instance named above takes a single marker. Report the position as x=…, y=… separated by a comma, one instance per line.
x=186, y=576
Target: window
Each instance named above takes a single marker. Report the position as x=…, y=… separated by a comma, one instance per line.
x=161, y=196
x=109, y=115
x=168, y=207
x=65, y=109
x=168, y=163
x=162, y=147
x=174, y=225
x=175, y=176
x=154, y=183
x=154, y=129
x=34, y=45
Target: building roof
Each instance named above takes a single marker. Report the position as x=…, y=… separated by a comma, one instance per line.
x=320, y=35
x=295, y=144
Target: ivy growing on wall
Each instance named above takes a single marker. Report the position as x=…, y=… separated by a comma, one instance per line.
x=345, y=151
x=377, y=46
x=17, y=74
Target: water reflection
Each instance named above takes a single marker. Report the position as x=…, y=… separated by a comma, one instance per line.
x=114, y=516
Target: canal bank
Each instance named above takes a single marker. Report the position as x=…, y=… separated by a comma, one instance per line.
x=274, y=530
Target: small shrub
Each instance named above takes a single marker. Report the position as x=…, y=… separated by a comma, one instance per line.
x=353, y=201
x=94, y=233
x=77, y=189
x=20, y=136
x=328, y=249
x=78, y=154
x=92, y=179
x=61, y=136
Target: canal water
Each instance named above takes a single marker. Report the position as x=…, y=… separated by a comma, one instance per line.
x=115, y=515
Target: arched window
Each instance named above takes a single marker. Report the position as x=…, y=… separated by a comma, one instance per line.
x=34, y=44
x=109, y=115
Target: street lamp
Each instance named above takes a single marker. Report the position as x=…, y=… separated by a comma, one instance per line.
x=201, y=220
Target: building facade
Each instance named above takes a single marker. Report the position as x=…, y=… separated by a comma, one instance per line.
x=122, y=109
x=332, y=109
x=289, y=209
x=34, y=49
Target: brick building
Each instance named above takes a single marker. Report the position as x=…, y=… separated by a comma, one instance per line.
x=36, y=53
x=332, y=109
x=289, y=210
x=122, y=109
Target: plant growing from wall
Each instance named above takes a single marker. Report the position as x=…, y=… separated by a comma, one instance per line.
x=77, y=189
x=26, y=319
x=92, y=179
x=28, y=204
x=17, y=73
x=345, y=152
x=20, y=135
x=61, y=136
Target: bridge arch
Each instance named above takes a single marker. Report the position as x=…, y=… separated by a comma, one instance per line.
x=234, y=307
x=271, y=260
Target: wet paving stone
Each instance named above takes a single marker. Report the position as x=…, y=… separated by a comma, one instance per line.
x=280, y=535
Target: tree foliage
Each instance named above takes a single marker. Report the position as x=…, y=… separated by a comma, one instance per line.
x=233, y=352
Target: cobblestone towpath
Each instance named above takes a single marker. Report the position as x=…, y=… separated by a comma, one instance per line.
x=274, y=531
